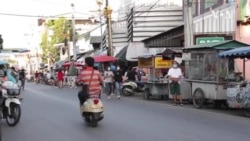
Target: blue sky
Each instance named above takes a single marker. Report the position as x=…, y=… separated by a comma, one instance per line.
x=13, y=28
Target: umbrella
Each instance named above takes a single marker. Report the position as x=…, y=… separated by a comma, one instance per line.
x=67, y=64
x=104, y=58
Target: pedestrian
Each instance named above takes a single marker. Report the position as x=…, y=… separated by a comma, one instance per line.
x=36, y=77
x=174, y=75
x=60, y=77
x=108, y=79
x=118, y=79
x=22, y=78
x=90, y=78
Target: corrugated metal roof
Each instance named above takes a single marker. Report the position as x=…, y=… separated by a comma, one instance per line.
x=229, y=44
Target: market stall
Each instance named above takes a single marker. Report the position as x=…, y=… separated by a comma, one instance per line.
x=206, y=73
x=238, y=88
x=155, y=85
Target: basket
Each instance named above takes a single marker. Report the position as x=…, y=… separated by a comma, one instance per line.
x=13, y=92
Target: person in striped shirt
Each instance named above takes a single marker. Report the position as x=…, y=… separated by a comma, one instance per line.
x=85, y=77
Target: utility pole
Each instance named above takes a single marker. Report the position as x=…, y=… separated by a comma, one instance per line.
x=108, y=12
x=47, y=45
x=99, y=3
x=73, y=32
x=188, y=23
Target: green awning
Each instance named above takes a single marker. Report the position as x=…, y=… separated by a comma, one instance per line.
x=225, y=45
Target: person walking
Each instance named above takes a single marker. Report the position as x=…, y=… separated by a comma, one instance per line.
x=118, y=79
x=60, y=77
x=108, y=79
x=22, y=78
x=174, y=75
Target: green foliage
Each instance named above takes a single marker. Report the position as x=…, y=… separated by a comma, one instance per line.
x=59, y=27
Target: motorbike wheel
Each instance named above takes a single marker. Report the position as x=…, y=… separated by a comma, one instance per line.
x=94, y=123
x=15, y=115
x=125, y=92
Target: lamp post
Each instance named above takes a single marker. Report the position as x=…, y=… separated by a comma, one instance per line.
x=108, y=12
x=99, y=3
x=73, y=32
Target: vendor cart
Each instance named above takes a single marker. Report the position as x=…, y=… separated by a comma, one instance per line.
x=155, y=85
x=206, y=73
x=238, y=89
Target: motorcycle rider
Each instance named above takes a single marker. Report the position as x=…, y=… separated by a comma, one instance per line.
x=85, y=77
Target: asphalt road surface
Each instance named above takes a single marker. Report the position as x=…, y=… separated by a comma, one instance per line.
x=52, y=114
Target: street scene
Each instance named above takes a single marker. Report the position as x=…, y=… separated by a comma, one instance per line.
x=52, y=114
x=125, y=70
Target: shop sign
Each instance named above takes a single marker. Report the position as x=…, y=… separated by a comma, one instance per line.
x=204, y=40
x=146, y=62
x=161, y=63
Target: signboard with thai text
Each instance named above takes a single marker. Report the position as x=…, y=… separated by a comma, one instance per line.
x=146, y=62
x=204, y=40
x=160, y=63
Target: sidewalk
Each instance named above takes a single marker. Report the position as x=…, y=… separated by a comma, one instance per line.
x=189, y=105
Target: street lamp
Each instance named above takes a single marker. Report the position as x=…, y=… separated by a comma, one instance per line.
x=108, y=12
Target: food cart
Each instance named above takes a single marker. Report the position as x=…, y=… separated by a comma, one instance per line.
x=238, y=89
x=155, y=85
x=206, y=73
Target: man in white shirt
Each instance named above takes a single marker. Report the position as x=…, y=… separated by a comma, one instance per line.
x=108, y=80
x=175, y=75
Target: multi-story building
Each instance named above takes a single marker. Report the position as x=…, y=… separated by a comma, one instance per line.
x=223, y=18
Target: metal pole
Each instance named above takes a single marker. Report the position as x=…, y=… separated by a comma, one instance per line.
x=188, y=23
x=108, y=15
x=47, y=44
x=101, y=29
x=73, y=32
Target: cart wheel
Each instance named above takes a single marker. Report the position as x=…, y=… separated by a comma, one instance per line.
x=146, y=94
x=246, y=112
x=198, y=98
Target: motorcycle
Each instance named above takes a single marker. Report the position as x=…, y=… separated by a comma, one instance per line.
x=130, y=87
x=10, y=103
x=92, y=111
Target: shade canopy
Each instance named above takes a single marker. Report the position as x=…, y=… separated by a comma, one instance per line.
x=236, y=53
x=104, y=58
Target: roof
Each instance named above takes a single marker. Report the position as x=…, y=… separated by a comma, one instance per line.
x=122, y=53
x=224, y=45
x=95, y=39
x=235, y=53
x=163, y=33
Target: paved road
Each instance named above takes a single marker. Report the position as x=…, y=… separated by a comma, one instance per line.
x=51, y=114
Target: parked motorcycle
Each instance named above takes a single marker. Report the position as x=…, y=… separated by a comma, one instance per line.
x=130, y=87
x=92, y=111
x=30, y=79
x=10, y=103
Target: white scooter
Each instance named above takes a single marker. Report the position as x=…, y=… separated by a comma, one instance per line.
x=92, y=111
x=129, y=88
x=10, y=103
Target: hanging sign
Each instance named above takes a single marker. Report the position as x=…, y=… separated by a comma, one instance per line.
x=160, y=63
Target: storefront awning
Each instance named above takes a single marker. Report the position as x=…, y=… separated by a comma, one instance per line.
x=224, y=45
x=236, y=53
x=136, y=49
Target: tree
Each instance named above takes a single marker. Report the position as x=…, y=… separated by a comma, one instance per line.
x=59, y=28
